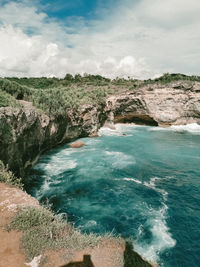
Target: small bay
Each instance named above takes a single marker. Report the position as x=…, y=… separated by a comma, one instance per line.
x=137, y=181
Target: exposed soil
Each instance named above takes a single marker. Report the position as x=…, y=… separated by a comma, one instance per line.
x=11, y=199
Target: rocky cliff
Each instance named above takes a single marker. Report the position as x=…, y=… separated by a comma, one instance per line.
x=156, y=104
x=26, y=132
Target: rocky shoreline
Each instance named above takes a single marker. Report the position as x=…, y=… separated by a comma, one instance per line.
x=26, y=132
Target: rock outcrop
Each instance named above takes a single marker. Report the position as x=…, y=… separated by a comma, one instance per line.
x=175, y=103
x=77, y=144
x=26, y=132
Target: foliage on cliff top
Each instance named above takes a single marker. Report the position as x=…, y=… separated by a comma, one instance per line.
x=54, y=95
x=43, y=231
x=95, y=80
x=15, y=89
x=8, y=177
x=6, y=100
x=57, y=100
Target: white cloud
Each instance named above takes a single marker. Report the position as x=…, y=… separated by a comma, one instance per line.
x=170, y=13
x=137, y=40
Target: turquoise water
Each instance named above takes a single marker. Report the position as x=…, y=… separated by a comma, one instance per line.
x=140, y=182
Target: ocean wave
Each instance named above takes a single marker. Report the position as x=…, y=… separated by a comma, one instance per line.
x=192, y=128
x=132, y=180
x=59, y=165
x=152, y=185
x=44, y=188
x=120, y=159
x=109, y=132
x=161, y=236
x=120, y=129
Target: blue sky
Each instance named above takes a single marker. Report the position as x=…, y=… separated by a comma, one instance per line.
x=81, y=8
x=137, y=38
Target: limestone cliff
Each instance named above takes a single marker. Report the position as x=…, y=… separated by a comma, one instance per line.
x=26, y=132
x=175, y=103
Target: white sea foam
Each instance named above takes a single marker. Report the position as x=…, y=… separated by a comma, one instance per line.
x=109, y=132
x=67, y=152
x=152, y=185
x=120, y=130
x=44, y=188
x=132, y=180
x=59, y=165
x=161, y=236
x=120, y=159
x=192, y=128
x=46, y=184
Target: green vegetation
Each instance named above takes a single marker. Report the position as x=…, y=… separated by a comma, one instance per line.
x=8, y=177
x=54, y=95
x=15, y=89
x=57, y=100
x=6, y=100
x=43, y=231
x=168, y=78
x=6, y=132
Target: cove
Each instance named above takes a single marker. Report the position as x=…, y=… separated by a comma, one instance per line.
x=137, y=181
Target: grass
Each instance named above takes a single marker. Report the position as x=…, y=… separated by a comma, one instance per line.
x=43, y=231
x=8, y=177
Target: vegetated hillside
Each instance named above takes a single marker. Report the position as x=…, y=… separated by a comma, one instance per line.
x=54, y=95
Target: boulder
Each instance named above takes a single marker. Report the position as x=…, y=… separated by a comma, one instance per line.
x=77, y=144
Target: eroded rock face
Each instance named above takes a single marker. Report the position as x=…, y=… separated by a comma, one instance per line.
x=25, y=133
x=176, y=103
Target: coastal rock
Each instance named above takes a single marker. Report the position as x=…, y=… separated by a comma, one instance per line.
x=25, y=133
x=157, y=104
x=77, y=144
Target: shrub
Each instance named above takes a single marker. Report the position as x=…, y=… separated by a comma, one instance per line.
x=8, y=177
x=6, y=100
x=13, y=88
x=57, y=100
x=6, y=132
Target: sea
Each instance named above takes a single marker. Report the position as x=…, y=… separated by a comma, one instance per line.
x=139, y=182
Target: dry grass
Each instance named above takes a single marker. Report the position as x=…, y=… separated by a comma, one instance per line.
x=43, y=231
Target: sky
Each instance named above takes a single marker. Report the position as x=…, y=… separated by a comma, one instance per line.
x=113, y=38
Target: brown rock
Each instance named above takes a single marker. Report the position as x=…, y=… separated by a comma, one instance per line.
x=94, y=135
x=77, y=144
